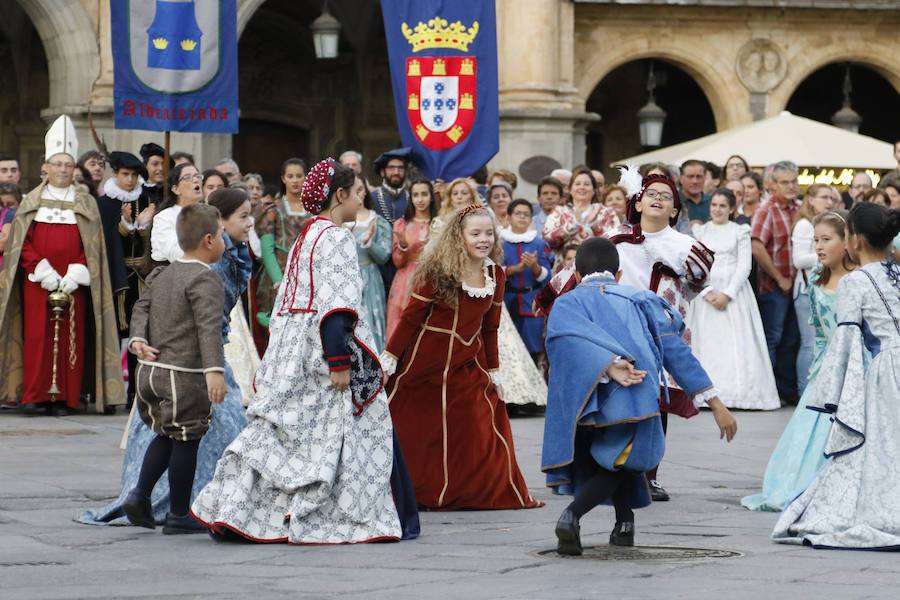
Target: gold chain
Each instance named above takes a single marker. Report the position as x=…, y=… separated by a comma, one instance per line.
x=73, y=356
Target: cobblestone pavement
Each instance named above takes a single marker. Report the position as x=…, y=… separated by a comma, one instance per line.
x=52, y=468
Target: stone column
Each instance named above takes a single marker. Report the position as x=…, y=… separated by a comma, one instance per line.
x=539, y=111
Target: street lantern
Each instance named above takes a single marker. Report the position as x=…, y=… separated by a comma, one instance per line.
x=846, y=117
x=326, y=32
x=651, y=117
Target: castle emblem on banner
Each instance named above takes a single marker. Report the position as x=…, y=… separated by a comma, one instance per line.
x=441, y=90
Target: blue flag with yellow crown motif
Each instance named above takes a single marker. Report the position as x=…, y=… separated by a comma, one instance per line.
x=175, y=65
x=443, y=56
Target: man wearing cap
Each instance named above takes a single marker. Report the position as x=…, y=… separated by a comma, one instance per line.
x=127, y=212
x=153, y=156
x=56, y=244
x=391, y=197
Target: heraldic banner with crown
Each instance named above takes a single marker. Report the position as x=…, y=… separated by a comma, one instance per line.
x=175, y=65
x=443, y=56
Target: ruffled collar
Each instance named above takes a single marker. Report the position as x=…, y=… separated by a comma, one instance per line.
x=112, y=189
x=598, y=276
x=489, y=283
x=517, y=238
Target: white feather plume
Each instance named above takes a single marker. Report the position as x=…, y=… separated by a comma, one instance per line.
x=631, y=180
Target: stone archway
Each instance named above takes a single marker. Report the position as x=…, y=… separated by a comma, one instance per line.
x=73, y=54
x=705, y=70
x=885, y=63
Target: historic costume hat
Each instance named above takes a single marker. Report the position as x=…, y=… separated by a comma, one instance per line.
x=635, y=186
x=127, y=160
x=404, y=154
x=151, y=149
x=61, y=138
x=317, y=186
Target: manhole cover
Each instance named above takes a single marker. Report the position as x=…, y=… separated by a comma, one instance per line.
x=636, y=553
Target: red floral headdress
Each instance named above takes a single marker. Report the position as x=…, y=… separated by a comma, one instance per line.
x=317, y=186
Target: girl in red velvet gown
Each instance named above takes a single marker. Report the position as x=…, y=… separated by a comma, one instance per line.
x=443, y=388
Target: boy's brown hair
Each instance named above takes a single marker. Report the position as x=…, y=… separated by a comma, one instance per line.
x=194, y=222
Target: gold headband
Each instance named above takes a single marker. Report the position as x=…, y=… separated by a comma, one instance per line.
x=466, y=211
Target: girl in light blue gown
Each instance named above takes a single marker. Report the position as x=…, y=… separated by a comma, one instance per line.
x=373, y=246
x=799, y=454
x=228, y=417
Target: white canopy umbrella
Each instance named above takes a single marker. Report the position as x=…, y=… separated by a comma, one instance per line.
x=784, y=137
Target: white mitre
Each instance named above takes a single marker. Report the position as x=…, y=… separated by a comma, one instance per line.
x=61, y=139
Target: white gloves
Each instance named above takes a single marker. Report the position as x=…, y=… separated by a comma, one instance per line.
x=49, y=279
x=45, y=275
x=75, y=276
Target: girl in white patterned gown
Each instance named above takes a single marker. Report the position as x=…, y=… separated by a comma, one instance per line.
x=314, y=463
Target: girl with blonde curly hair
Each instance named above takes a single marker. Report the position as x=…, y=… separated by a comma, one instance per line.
x=443, y=361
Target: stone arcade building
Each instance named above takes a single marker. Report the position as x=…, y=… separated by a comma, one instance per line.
x=572, y=74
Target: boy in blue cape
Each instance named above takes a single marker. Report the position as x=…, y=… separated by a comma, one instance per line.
x=603, y=427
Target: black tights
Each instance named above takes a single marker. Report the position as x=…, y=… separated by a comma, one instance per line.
x=180, y=458
x=602, y=486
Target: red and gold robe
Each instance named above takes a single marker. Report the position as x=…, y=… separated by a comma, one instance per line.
x=26, y=331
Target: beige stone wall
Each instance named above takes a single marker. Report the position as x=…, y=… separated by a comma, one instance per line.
x=705, y=43
x=552, y=55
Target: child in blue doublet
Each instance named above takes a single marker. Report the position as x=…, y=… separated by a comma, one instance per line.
x=608, y=346
x=528, y=261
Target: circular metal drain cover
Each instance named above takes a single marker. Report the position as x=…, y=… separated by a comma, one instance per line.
x=636, y=553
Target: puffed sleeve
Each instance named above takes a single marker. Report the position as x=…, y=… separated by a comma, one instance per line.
x=490, y=323
x=697, y=266
x=803, y=250
x=559, y=227
x=744, y=259
x=380, y=244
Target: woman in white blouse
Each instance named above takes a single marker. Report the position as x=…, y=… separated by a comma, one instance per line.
x=818, y=199
x=184, y=189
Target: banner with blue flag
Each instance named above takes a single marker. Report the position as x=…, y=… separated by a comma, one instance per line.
x=175, y=65
x=443, y=56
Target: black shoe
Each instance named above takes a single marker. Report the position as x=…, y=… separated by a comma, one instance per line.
x=138, y=509
x=176, y=525
x=568, y=534
x=657, y=492
x=56, y=409
x=622, y=534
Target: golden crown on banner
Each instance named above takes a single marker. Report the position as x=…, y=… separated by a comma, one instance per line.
x=439, y=34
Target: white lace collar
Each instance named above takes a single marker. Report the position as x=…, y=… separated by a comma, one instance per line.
x=517, y=238
x=111, y=188
x=489, y=283
x=598, y=275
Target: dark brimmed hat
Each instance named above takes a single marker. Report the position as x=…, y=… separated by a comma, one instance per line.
x=151, y=149
x=403, y=154
x=127, y=160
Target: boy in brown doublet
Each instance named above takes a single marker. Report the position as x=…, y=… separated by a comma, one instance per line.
x=176, y=333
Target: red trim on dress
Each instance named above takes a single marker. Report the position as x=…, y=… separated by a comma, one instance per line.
x=284, y=540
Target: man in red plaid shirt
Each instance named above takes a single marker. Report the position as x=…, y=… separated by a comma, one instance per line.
x=771, y=235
